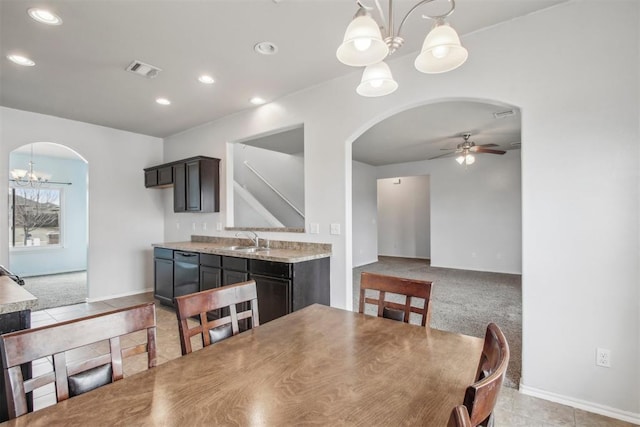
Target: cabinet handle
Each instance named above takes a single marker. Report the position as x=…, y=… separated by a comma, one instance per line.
x=186, y=254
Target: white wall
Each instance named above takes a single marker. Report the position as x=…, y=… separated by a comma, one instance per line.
x=475, y=211
x=125, y=218
x=577, y=88
x=365, y=214
x=404, y=217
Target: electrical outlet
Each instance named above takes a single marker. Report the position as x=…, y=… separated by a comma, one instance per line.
x=315, y=228
x=177, y=226
x=603, y=357
x=218, y=226
x=204, y=225
x=193, y=226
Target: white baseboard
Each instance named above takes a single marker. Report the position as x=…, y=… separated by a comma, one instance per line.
x=126, y=294
x=607, y=411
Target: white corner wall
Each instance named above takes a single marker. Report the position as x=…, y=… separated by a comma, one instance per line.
x=364, y=230
x=125, y=218
x=577, y=88
x=404, y=217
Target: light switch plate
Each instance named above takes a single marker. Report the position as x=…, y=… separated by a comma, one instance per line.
x=335, y=228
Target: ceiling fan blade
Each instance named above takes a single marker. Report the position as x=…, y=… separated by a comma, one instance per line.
x=487, y=145
x=478, y=149
x=441, y=155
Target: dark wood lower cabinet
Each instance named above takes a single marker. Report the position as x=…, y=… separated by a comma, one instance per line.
x=274, y=297
x=282, y=287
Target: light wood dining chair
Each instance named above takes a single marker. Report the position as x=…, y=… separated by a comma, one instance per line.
x=481, y=396
x=459, y=417
x=75, y=375
x=409, y=288
x=214, y=330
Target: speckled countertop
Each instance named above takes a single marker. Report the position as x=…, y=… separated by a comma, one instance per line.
x=279, y=251
x=14, y=297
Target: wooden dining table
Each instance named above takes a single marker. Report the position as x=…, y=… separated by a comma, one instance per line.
x=316, y=366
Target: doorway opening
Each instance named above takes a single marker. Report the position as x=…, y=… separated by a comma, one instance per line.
x=472, y=215
x=48, y=222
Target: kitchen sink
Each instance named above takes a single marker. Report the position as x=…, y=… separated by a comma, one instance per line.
x=244, y=249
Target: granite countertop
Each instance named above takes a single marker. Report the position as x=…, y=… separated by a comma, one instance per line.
x=14, y=297
x=290, y=252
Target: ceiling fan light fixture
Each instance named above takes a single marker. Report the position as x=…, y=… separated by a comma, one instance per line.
x=441, y=50
x=377, y=81
x=460, y=159
x=362, y=44
x=469, y=159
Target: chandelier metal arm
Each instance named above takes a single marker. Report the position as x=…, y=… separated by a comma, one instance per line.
x=434, y=17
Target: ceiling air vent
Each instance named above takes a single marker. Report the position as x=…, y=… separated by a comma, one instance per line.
x=503, y=114
x=144, y=70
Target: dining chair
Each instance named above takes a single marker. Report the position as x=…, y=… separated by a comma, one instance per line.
x=409, y=288
x=82, y=370
x=481, y=396
x=459, y=417
x=214, y=330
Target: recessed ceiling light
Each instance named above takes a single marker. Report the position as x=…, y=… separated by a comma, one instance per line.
x=44, y=16
x=256, y=100
x=266, y=48
x=21, y=60
x=163, y=101
x=208, y=80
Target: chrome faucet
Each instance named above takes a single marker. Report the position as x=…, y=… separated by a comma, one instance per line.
x=251, y=235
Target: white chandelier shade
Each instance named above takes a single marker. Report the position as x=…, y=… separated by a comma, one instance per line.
x=367, y=43
x=376, y=81
x=362, y=44
x=441, y=51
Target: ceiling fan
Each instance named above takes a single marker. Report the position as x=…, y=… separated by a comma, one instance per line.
x=466, y=148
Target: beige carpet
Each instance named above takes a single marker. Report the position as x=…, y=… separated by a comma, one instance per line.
x=464, y=301
x=57, y=289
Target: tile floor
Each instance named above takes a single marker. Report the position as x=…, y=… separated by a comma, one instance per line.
x=513, y=409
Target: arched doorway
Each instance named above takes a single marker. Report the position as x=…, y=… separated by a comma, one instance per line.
x=48, y=222
x=469, y=223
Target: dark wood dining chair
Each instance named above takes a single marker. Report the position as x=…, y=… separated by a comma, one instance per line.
x=481, y=396
x=459, y=417
x=214, y=330
x=76, y=375
x=410, y=288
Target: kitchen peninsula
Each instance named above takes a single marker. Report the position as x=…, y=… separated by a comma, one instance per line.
x=289, y=275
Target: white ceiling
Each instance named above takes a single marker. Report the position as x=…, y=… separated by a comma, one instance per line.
x=80, y=65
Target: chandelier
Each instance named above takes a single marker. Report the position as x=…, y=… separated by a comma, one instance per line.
x=30, y=178
x=364, y=46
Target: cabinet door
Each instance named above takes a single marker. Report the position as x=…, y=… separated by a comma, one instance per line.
x=165, y=175
x=163, y=274
x=179, y=188
x=151, y=178
x=274, y=297
x=193, y=186
x=210, y=277
x=229, y=277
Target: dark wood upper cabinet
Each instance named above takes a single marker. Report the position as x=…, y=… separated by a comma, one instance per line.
x=158, y=176
x=195, y=181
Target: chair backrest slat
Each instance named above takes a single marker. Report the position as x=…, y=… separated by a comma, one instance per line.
x=410, y=288
x=198, y=304
x=18, y=348
x=459, y=417
x=481, y=396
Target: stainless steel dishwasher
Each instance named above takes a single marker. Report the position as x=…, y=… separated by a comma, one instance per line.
x=186, y=275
